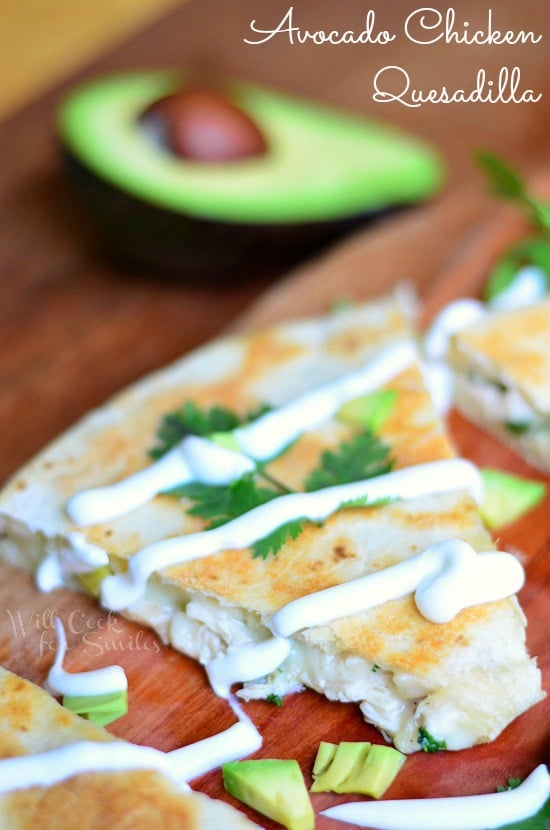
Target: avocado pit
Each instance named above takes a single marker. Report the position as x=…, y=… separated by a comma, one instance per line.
x=203, y=125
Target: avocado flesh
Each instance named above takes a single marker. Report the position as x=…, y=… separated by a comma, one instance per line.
x=348, y=757
x=379, y=770
x=324, y=756
x=508, y=497
x=320, y=165
x=275, y=788
x=356, y=768
x=369, y=411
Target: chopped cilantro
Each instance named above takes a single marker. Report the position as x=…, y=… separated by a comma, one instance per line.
x=190, y=419
x=375, y=667
x=511, y=785
x=518, y=427
x=428, y=743
x=363, y=456
x=275, y=699
x=508, y=185
x=274, y=541
x=221, y=504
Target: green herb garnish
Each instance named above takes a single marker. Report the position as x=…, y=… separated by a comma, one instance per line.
x=511, y=785
x=274, y=541
x=518, y=427
x=428, y=743
x=221, y=504
x=363, y=456
x=508, y=185
x=190, y=419
x=275, y=699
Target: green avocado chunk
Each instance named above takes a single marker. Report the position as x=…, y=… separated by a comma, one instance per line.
x=369, y=411
x=508, y=497
x=344, y=763
x=91, y=581
x=101, y=709
x=356, y=767
x=320, y=164
x=275, y=788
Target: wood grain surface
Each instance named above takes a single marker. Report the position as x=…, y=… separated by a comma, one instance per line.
x=75, y=328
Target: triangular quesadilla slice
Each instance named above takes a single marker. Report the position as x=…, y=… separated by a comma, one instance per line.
x=461, y=681
x=85, y=790
x=502, y=368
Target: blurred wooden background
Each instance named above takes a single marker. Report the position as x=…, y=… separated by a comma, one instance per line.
x=42, y=41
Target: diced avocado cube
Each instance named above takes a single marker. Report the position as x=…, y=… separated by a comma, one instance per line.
x=275, y=788
x=369, y=411
x=101, y=709
x=348, y=756
x=91, y=581
x=226, y=440
x=377, y=773
x=507, y=497
x=324, y=756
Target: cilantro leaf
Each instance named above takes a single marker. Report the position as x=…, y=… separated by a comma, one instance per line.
x=363, y=456
x=276, y=700
x=190, y=419
x=508, y=185
x=274, y=541
x=428, y=743
x=221, y=504
x=511, y=785
x=533, y=251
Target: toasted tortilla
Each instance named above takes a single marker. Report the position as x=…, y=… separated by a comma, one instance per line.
x=506, y=357
x=463, y=681
x=32, y=722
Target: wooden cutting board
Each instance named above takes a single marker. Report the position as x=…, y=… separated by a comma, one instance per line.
x=170, y=701
x=74, y=329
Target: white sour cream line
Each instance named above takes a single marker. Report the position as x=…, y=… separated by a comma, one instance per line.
x=446, y=578
x=268, y=435
x=48, y=768
x=194, y=459
x=118, y=592
x=527, y=287
x=471, y=812
x=74, y=684
x=247, y=662
x=454, y=317
x=238, y=741
x=198, y=459
x=75, y=557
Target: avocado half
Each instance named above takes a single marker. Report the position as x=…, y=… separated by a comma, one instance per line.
x=322, y=173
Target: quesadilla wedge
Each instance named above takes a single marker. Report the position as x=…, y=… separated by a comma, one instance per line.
x=462, y=681
x=86, y=790
x=502, y=370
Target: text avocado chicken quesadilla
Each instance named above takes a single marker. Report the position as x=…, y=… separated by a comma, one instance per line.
x=382, y=487
x=55, y=771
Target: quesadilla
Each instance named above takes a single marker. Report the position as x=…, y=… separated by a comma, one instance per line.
x=38, y=737
x=462, y=681
x=502, y=369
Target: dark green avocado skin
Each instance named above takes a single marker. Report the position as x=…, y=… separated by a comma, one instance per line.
x=167, y=243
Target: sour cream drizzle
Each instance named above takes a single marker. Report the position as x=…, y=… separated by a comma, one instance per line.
x=118, y=592
x=75, y=556
x=48, y=768
x=96, y=682
x=472, y=812
x=246, y=662
x=198, y=459
x=445, y=578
